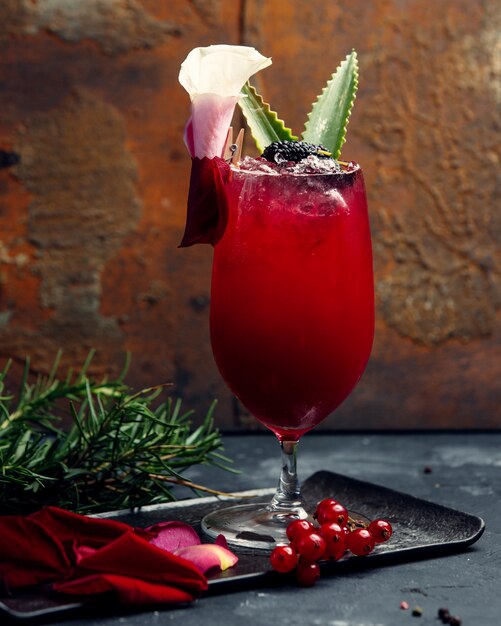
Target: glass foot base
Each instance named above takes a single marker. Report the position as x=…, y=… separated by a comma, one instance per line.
x=254, y=525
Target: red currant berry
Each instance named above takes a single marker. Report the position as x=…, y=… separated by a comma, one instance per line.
x=335, y=540
x=332, y=513
x=324, y=504
x=360, y=542
x=310, y=546
x=381, y=530
x=307, y=573
x=283, y=559
x=297, y=528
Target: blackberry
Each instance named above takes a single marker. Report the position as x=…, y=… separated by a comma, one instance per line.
x=284, y=151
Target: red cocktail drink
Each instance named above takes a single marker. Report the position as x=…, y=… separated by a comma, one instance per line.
x=292, y=304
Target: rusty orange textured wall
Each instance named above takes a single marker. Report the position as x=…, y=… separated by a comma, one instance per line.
x=91, y=216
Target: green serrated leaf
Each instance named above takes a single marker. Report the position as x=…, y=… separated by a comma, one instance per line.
x=328, y=120
x=264, y=124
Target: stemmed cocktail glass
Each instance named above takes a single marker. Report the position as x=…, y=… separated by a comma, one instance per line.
x=292, y=317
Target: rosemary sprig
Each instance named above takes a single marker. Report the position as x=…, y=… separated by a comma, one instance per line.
x=122, y=449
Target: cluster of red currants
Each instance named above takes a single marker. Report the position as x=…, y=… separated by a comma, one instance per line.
x=335, y=534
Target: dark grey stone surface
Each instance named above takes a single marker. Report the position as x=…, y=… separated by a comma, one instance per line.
x=466, y=475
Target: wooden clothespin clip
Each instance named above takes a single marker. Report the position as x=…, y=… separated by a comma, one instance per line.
x=233, y=150
x=227, y=154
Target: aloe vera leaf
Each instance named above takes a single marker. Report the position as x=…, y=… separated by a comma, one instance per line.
x=264, y=124
x=327, y=123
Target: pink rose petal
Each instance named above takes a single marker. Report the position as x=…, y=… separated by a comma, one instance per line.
x=172, y=536
x=208, y=556
x=181, y=540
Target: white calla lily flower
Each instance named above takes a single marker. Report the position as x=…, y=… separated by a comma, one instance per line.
x=213, y=77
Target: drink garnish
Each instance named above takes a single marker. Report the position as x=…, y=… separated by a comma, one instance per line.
x=327, y=122
x=207, y=211
x=265, y=125
x=216, y=77
x=233, y=149
x=295, y=151
x=213, y=76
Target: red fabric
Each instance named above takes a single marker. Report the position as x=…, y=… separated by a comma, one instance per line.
x=93, y=532
x=130, y=555
x=207, y=212
x=126, y=590
x=29, y=553
x=88, y=555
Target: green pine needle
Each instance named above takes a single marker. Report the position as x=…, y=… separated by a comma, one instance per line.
x=122, y=449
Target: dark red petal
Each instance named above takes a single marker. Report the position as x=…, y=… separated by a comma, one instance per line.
x=207, y=212
x=221, y=541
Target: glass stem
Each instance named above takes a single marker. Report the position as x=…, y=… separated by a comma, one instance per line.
x=287, y=497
